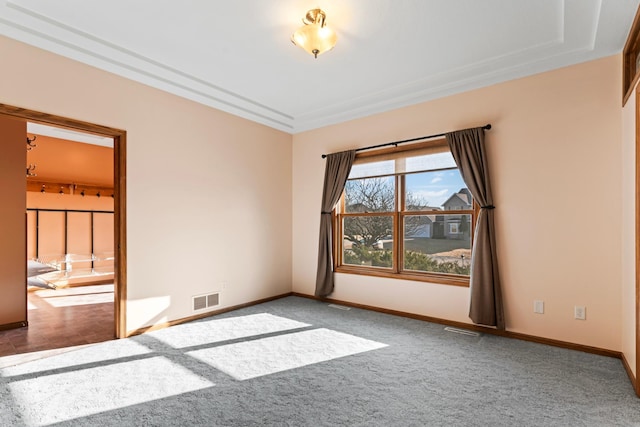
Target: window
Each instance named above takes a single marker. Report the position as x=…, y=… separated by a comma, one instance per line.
x=453, y=228
x=406, y=213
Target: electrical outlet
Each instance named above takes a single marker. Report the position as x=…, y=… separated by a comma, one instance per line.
x=538, y=307
x=580, y=312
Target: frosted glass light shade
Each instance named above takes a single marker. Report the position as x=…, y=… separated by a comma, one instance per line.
x=315, y=37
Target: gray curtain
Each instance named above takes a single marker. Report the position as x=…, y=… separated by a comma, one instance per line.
x=335, y=177
x=468, y=149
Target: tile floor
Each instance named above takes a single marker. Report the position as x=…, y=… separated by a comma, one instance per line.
x=62, y=318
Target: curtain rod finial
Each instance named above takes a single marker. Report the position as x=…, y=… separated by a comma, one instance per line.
x=324, y=156
x=487, y=126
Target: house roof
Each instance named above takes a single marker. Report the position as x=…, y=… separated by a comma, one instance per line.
x=461, y=195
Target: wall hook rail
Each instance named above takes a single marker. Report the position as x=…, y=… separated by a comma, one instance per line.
x=30, y=144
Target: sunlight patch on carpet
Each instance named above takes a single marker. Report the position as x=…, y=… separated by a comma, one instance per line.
x=84, y=356
x=66, y=396
x=251, y=359
x=214, y=331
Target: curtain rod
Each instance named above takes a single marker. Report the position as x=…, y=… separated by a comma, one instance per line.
x=386, y=144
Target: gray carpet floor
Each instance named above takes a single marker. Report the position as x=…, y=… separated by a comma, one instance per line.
x=299, y=362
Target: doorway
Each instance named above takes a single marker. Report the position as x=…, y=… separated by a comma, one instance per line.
x=119, y=195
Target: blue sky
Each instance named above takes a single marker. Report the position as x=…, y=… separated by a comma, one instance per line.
x=435, y=187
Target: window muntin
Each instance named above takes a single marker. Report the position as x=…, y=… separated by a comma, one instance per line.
x=394, y=223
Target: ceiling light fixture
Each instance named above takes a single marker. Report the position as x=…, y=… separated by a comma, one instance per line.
x=314, y=36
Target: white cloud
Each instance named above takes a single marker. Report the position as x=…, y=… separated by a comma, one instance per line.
x=438, y=193
x=433, y=197
x=436, y=179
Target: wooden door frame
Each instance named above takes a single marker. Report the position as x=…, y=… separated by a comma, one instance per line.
x=636, y=385
x=119, y=196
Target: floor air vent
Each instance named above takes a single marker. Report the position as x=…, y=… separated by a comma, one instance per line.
x=339, y=307
x=462, y=331
x=202, y=302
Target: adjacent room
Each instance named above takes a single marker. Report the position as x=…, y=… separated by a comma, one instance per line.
x=328, y=213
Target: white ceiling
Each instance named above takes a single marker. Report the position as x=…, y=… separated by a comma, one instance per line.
x=237, y=56
x=69, y=135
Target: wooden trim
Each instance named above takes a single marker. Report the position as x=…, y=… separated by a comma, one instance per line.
x=630, y=89
x=397, y=255
x=14, y=325
x=636, y=384
x=357, y=214
x=438, y=279
x=630, y=74
x=433, y=143
x=163, y=325
x=59, y=121
x=120, y=233
x=120, y=229
x=472, y=327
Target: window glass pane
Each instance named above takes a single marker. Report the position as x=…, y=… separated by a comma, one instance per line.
x=370, y=195
x=437, y=190
x=438, y=243
x=360, y=170
x=368, y=240
x=430, y=162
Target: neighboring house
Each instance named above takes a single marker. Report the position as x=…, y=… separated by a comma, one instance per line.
x=446, y=226
x=461, y=200
x=425, y=228
x=454, y=226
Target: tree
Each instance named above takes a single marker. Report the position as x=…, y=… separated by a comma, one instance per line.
x=372, y=195
x=464, y=226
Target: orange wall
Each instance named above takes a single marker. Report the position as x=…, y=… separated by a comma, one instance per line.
x=208, y=193
x=73, y=162
x=51, y=232
x=555, y=157
x=13, y=276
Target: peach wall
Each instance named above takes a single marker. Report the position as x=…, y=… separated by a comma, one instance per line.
x=208, y=193
x=555, y=158
x=13, y=275
x=629, y=232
